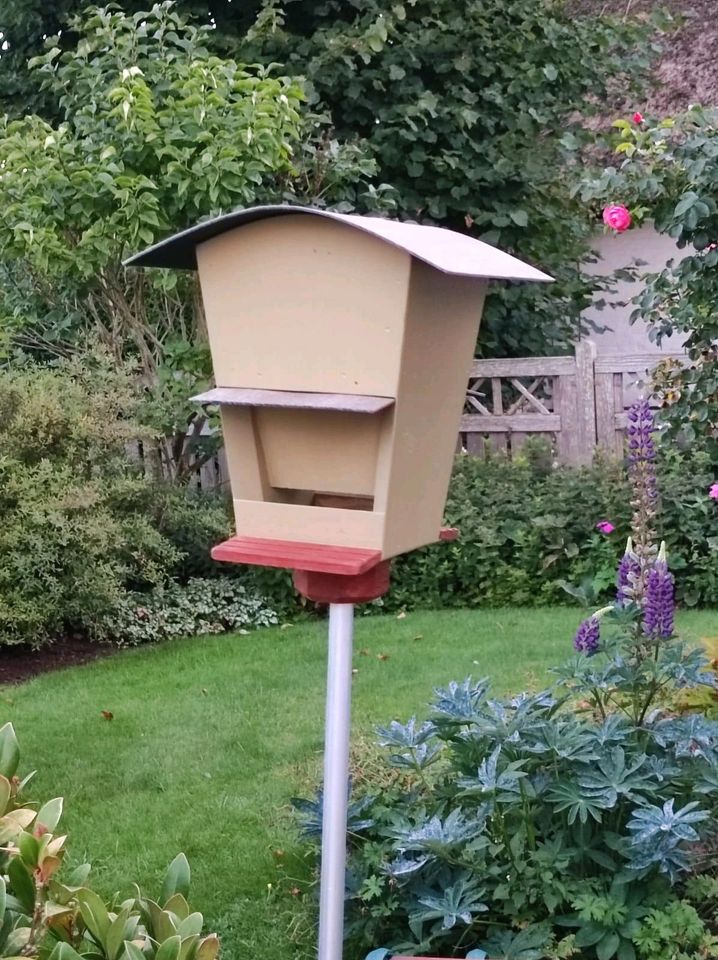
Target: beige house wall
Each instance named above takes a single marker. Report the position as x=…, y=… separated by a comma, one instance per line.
x=619, y=251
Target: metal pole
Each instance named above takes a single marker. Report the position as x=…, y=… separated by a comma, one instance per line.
x=336, y=781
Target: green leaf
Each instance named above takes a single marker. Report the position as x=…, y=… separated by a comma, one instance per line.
x=94, y=913
x=3, y=899
x=191, y=925
x=608, y=946
x=169, y=949
x=178, y=905
x=132, y=952
x=685, y=204
x=177, y=879
x=49, y=814
x=5, y=791
x=626, y=951
x=29, y=849
x=520, y=217
x=9, y=751
x=63, y=951
x=116, y=933
x=22, y=886
x=590, y=934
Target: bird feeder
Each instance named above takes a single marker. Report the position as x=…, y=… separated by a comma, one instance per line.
x=341, y=348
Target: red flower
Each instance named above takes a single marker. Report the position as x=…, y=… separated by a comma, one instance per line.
x=638, y=117
x=617, y=217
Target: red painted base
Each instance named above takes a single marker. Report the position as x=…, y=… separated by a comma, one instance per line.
x=338, y=588
x=292, y=555
x=322, y=573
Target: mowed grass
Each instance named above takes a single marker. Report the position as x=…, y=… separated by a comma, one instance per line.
x=211, y=737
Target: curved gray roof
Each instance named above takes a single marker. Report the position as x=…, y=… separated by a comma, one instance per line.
x=446, y=250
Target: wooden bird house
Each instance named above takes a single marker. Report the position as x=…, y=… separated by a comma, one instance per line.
x=341, y=348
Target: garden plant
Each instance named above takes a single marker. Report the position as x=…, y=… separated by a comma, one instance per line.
x=49, y=911
x=577, y=821
x=668, y=175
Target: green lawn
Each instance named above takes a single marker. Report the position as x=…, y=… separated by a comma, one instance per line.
x=211, y=737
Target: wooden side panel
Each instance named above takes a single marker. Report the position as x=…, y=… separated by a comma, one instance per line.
x=245, y=459
x=305, y=304
x=413, y=474
x=326, y=525
x=320, y=450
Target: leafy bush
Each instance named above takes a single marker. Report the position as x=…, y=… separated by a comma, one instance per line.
x=192, y=521
x=523, y=814
x=471, y=110
x=526, y=532
x=49, y=912
x=75, y=528
x=82, y=526
x=668, y=173
x=198, y=607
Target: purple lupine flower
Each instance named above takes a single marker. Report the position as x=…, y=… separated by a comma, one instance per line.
x=588, y=636
x=660, y=605
x=641, y=427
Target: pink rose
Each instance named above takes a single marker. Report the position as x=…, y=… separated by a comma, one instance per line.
x=605, y=526
x=713, y=492
x=617, y=217
x=638, y=117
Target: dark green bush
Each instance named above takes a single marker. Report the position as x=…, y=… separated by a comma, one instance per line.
x=528, y=530
x=525, y=530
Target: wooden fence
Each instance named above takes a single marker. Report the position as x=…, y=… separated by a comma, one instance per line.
x=577, y=403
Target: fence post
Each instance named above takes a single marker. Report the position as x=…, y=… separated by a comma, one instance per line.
x=585, y=401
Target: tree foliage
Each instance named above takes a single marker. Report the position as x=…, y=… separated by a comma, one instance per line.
x=470, y=110
x=155, y=132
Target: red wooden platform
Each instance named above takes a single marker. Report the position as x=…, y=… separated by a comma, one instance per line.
x=314, y=557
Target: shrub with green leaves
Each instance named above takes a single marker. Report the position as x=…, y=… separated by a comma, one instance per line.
x=528, y=531
x=472, y=112
x=667, y=172
x=75, y=527
x=201, y=606
x=88, y=543
x=49, y=912
x=523, y=819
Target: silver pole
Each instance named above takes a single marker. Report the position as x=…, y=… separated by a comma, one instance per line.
x=336, y=781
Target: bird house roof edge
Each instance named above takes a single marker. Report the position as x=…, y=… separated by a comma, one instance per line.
x=445, y=250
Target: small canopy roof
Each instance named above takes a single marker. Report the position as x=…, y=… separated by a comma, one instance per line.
x=445, y=250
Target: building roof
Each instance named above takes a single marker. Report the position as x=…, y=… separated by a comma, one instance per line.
x=446, y=250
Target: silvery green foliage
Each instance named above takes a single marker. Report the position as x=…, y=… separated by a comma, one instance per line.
x=418, y=755
x=513, y=824
x=310, y=815
x=199, y=607
x=660, y=834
